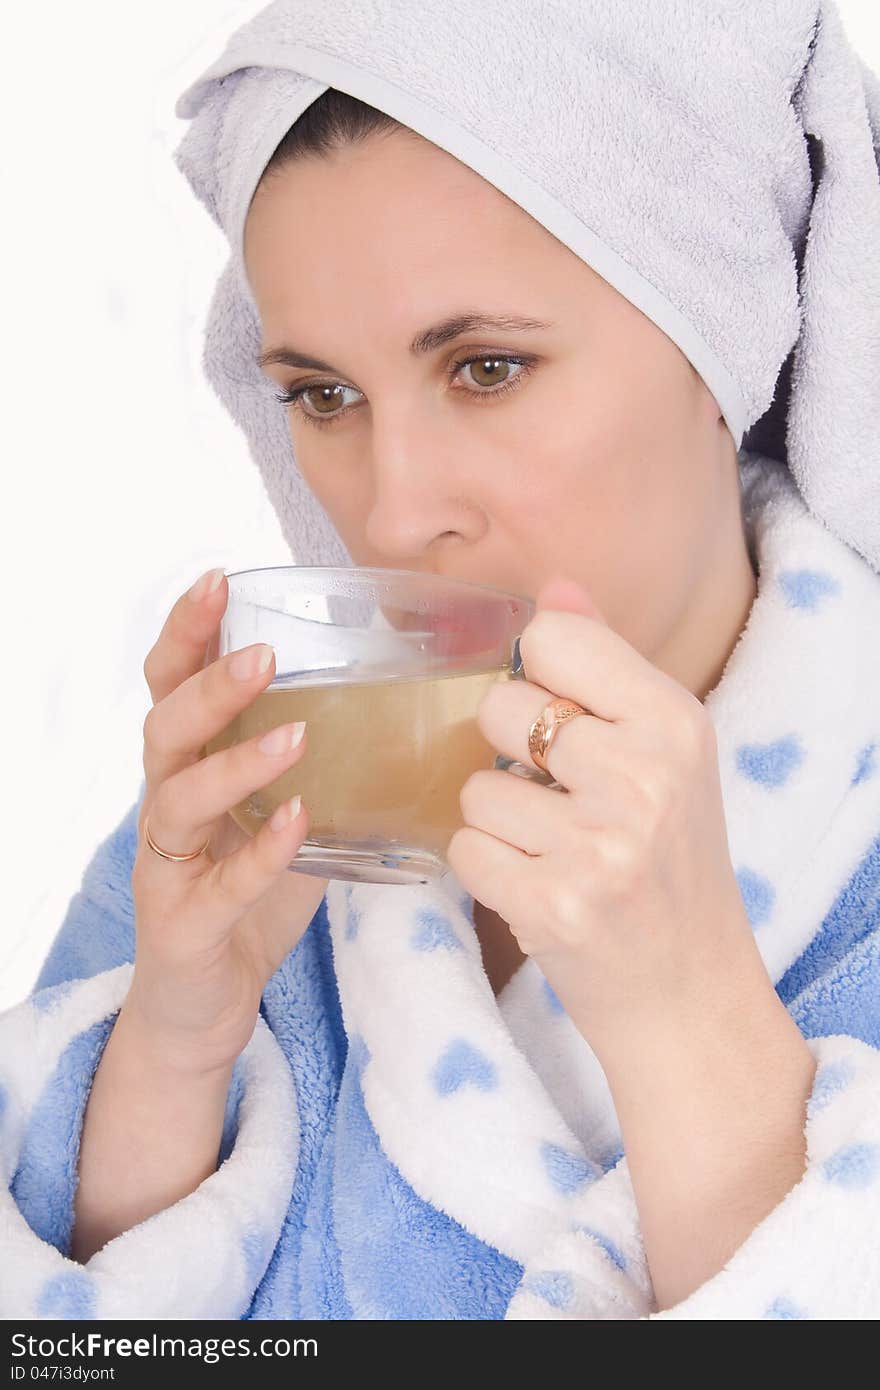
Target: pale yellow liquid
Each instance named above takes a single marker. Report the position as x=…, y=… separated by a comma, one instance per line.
x=385, y=761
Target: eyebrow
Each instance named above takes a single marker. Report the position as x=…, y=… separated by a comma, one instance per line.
x=428, y=340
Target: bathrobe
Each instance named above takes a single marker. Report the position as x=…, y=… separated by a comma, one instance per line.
x=400, y=1144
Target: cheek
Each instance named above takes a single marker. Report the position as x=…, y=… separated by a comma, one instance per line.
x=652, y=541
x=560, y=496
x=600, y=508
x=338, y=489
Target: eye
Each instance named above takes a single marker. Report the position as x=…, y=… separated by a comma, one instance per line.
x=328, y=395
x=489, y=366
x=485, y=364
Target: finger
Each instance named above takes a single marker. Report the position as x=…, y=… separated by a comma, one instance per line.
x=507, y=712
x=235, y=884
x=187, y=805
x=499, y=875
x=581, y=658
x=179, y=650
x=526, y=815
x=178, y=727
x=569, y=596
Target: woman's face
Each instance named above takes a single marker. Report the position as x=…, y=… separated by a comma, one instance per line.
x=600, y=455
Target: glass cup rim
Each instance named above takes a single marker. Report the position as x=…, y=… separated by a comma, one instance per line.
x=366, y=572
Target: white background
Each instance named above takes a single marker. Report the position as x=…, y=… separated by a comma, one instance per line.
x=123, y=478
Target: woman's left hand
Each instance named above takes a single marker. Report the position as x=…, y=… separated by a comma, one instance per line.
x=621, y=887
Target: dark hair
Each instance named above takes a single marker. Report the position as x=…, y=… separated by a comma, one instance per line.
x=333, y=120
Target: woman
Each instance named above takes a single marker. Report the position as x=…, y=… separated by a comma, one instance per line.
x=626, y=1064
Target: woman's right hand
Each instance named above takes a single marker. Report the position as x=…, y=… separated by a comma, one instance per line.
x=211, y=931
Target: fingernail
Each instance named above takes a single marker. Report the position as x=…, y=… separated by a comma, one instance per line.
x=282, y=739
x=287, y=811
x=206, y=585
x=251, y=662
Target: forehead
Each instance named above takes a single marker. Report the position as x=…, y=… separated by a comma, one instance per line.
x=390, y=200
x=380, y=240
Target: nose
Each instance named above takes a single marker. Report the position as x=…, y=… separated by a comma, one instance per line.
x=417, y=503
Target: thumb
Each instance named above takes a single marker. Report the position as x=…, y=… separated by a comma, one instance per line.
x=567, y=596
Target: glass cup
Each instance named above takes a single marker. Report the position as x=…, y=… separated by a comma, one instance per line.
x=387, y=667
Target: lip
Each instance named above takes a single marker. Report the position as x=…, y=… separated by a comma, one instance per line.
x=467, y=635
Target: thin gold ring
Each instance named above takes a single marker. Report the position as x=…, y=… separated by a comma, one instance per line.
x=177, y=858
